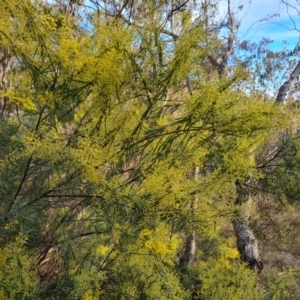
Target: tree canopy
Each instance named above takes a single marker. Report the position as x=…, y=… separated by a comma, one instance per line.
x=131, y=137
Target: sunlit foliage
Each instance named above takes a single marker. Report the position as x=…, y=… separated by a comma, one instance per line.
x=101, y=128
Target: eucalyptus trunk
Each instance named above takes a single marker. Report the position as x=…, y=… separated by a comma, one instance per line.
x=6, y=60
x=246, y=241
x=189, y=252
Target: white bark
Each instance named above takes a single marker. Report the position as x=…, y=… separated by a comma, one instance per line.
x=221, y=62
x=248, y=246
x=6, y=60
x=285, y=88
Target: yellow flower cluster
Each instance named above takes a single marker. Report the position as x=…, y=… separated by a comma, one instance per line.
x=159, y=241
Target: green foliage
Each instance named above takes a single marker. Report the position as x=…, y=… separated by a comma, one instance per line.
x=99, y=136
x=282, y=285
x=221, y=279
x=18, y=278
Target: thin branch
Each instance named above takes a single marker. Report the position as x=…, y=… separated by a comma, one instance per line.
x=123, y=7
x=53, y=189
x=167, y=32
x=177, y=8
x=270, y=157
x=151, y=137
x=73, y=196
x=29, y=160
x=86, y=234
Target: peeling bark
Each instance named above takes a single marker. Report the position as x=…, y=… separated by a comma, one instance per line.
x=246, y=241
x=5, y=66
x=189, y=252
x=248, y=246
x=6, y=60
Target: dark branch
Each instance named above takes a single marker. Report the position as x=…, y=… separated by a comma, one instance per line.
x=177, y=8
x=73, y=196
x=29, y=160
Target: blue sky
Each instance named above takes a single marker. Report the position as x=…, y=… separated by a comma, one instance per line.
x=267, y=18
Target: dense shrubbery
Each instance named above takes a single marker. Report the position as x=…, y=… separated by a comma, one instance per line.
x=121, y=143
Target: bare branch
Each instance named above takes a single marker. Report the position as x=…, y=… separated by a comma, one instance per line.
x=122, y=17
x=177, y=8
x=221, y=62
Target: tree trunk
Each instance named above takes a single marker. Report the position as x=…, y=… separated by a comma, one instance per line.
x=246, y=241
x=221, y=61
x=6, y=60
x=189, y=252
x=248, y=246
x=190, y=244
x=286, y=87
